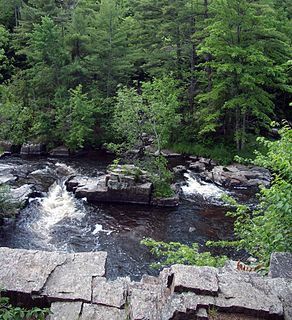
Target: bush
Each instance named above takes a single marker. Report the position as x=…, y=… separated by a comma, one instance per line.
x=9, y=312
x=160, y=176
x=268, y=228
x=175, y=252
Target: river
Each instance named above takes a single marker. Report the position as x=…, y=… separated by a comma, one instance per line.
x=59, y=221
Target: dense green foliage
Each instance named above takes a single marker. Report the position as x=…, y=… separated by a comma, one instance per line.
x=71, y=66
x=175, y=252
x=268, y=228
x=9, y=312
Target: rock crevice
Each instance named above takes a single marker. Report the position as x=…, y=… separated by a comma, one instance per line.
x=75, y=286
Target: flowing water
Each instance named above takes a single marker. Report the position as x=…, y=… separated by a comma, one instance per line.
x=59, y=221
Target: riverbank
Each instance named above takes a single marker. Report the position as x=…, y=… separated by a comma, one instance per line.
x=56, y=280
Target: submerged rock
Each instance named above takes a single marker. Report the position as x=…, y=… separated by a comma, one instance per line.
x=165, y=202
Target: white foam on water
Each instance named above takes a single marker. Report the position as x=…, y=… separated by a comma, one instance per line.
x=59, y=204
x=98, y=228
x=195, y=186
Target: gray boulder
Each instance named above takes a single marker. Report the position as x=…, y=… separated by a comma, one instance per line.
x=240, y=176
x=22, y=194
x=281, y=265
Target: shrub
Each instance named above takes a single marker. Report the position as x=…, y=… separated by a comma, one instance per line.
x=9, y=312
x=175, y=252
x=268, y=228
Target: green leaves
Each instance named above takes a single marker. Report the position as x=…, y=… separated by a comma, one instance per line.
x=246, y=65
x=154, y=112
x=9, y=312
x=76, y=120
x=175, y=252
x=268, y=228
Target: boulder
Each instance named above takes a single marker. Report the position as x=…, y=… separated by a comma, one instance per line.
x=240, y=176
x=60, y=151
x=30, y=273
x=197, y=166
x=281, y=265
x=115, y=191
x=72, y=280
x=170, y=154
x=42, y=178
x=179, y=171
x=248, y=292
x=58, y=276
x=33, y=149
x=102, y=292
x=201, y=280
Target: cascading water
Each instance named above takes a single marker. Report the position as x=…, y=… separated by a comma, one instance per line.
x=195, y=186
x=58, y=205
x=59, y=221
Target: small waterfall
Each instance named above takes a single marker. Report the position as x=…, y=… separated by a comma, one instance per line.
x=195, y=186
x=58, y=204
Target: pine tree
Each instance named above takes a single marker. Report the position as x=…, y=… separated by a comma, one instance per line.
x=248, y=53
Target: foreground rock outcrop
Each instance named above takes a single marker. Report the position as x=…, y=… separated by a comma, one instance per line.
x=74, y=286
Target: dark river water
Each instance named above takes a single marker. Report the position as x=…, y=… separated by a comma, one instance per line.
x=58, y=221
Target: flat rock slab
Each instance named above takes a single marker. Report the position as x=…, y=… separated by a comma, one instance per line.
x=102, y=292
x=27, y=271
x=281, y=265
x=98, y=312
x=73, y=279
x=55, y=275
x=241, y=291
x=201, y=280
x=65, y=311
x=95, y=190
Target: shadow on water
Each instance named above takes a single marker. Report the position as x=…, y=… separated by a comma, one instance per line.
x=60, y=222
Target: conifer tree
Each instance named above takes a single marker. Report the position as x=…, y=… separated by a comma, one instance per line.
x=248, y=56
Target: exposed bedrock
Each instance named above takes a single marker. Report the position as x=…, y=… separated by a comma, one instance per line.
x=124, y=184
x=75, y=287
x=233, y=176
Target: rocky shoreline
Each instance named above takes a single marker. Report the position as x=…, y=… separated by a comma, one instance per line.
x=123, y=186
x=74, y=286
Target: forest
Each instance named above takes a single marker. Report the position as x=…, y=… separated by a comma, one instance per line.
x=214, y=73
x=208, y=80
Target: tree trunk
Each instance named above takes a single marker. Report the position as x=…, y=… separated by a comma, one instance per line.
x=243, y=130
x=237, y=128
x=209, y=57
